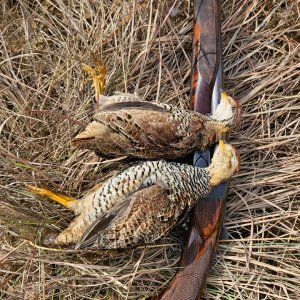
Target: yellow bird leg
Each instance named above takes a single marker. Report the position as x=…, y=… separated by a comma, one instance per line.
x=68, y=202
x=97, y=76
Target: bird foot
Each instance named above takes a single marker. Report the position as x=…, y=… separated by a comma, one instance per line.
x=68, y=202
x=97, y=75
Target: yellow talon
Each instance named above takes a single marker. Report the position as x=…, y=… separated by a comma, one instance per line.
x=97, y=75
x=68, y=202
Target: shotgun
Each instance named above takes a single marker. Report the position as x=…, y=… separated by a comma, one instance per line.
x=206, y=217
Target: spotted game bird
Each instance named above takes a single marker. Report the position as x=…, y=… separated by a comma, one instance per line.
x=125, y=125
x=152, y=131
x=143, y=202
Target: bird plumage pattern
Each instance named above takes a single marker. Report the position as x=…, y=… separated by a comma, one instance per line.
x=143, y=202
x=148, y=213
x=126, y=125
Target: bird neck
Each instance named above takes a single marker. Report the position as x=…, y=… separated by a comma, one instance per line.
x=217, y=128
x=200, y=181
x=217, y=175
x=224, y=115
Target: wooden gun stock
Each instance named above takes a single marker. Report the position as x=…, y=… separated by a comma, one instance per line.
x=206, y=217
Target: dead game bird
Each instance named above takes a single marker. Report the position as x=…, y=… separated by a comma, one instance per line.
x=143, y=202
x=151, y=131
x=127, y=125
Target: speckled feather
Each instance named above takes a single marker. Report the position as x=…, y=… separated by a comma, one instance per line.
x=125, y=126
x=150, y=212
x=155, y=187
x=143, y=202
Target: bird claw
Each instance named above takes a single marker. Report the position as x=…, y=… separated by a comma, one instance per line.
x=97, y=75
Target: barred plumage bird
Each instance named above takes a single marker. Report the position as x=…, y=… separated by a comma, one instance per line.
x=126, y=126
x=143, y=202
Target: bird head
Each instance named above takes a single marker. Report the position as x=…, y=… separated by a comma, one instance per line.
x=228, y=111
x=224, y=164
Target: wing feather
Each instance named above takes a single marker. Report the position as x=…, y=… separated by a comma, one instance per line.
x=143, y=217
x=144, y=130
x=142, y=105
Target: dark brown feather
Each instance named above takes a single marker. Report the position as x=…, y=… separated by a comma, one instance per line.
x=143, y=105
x=144, y=130
x=144, y=216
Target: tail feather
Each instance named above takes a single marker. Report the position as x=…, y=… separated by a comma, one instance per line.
x=92, y=131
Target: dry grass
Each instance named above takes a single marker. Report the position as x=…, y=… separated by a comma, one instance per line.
x=46, y=99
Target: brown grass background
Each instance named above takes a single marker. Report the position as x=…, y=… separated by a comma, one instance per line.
x=46, y=98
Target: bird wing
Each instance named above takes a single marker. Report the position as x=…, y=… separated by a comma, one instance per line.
x=116, y=98
x=144, y=105
x=143, y=217
x=140, y=129
x=146, y=123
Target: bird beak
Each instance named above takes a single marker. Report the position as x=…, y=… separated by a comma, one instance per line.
x=222, y=146
x=225, y=97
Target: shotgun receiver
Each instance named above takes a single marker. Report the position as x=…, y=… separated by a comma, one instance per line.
x=206, y=217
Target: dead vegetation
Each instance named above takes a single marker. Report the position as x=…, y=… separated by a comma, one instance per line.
x=46, y=99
